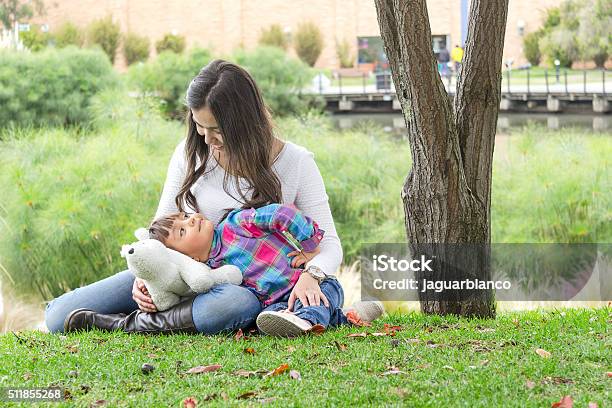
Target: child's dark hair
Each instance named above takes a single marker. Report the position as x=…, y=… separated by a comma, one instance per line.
x=160, y=228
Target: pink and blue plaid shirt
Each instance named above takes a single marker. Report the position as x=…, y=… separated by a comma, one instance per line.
x=253, y=240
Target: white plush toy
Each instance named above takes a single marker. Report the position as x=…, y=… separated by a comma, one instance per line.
x=168, y=274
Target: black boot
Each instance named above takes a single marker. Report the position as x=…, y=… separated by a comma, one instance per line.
x=177, y=319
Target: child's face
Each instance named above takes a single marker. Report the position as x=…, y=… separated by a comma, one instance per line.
x=192, y=235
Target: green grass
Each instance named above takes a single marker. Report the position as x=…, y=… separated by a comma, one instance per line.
x=444, y=362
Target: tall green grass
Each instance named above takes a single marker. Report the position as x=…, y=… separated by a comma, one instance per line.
x=72, y=198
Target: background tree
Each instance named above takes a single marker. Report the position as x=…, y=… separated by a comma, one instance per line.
x=171, y=42
x=12, y=11
x=593, y=36
x=343, y=52
x=308, y=42
x=447, y=194
x=68, y=34
x=105, y=33
x=274, y=36
x=135, y=48
x=559, y=39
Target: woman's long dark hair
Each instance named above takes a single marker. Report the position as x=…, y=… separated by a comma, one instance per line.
x=245, y=123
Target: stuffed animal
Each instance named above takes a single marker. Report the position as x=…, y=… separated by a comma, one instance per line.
x=169, y=275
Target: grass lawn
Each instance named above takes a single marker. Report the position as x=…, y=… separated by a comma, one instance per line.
x=430, y=361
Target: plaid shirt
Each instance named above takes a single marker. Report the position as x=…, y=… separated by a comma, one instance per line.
x=253, y=240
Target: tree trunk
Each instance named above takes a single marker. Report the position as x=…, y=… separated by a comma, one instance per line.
x=447, y=193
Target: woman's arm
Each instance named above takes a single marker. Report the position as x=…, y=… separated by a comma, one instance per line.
x=313, y=201
x=174, y=181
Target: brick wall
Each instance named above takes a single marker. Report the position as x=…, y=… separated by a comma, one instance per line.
x=226, y=24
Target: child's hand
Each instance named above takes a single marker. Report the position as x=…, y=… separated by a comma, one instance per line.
x=301, y=257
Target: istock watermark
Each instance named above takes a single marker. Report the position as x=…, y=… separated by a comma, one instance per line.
x=513, y=272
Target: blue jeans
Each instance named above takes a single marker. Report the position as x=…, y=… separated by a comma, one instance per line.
x=224, y=308
x=326, y=316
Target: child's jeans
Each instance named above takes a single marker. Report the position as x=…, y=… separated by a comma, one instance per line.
x=326, y=316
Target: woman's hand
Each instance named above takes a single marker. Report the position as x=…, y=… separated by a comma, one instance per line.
x=301, y=257
x=141, y=296
x=308, y=291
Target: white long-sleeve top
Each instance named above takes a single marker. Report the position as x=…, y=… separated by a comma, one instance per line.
x=301, y=184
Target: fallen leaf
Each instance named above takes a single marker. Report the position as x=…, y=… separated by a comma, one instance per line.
x=204, y=369
x=317, y=329
x=354, y=318
x=295, y=375
x=210, y=397
x=557, y=380
x=530, y=384
x=448, y=367
x=393, y=371
x=249, y=350
x=543, y=353
x=239, y=335
x=278, y=370
x=244, y=373
x=151, y=355
x=190, y=402
x=266, y=400
x=484, y=362
x=85, y=388
x=341, y=347
x=394, y=343
x=73, y=373
x=413, y=341
x=246, y=395
x=362, y=334
x=428, y=329
x=390, y=330
x=592, y=405
x=224, y=395
x=565, y=402
x=98, y=403
x=27, y=376
x=73, y=348
x=376, y=334
x=290, y=349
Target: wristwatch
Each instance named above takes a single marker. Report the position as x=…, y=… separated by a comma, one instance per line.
x=316, y=273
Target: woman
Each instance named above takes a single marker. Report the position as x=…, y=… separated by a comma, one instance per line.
x=230, y=159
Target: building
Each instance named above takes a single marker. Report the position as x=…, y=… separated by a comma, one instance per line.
x=224, y=25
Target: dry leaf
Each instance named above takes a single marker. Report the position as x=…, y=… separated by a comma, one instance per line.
x=376, y=334
x=543, y=353
x=565, y=402
x=317, y=329
x=393, y=370
x=239, y=335
x=530, y=384
x=249, y=350
x=413, y=341
x=390, y=330
x=210, y=397
x=190, y=402
x=295, y=375
x=73, y=348
x=354, y=318
x=98, y=403
x=362, y=334
x=224, y=395
x=448, y=367
x=246, y=395
x=290, y=349
x=27, y=376
x=204, y=369
x=278, y=370
x=341, y=347
x=244, y=373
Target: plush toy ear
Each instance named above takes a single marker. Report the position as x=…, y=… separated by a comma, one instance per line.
x=141, y=234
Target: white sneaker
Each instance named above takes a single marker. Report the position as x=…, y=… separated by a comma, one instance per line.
x=282, y=324
x=367, y=311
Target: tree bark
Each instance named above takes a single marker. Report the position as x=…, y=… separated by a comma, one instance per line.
x=447, y=192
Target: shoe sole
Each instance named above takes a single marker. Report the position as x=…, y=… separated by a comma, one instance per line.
x=274, y=324
x=70, y=316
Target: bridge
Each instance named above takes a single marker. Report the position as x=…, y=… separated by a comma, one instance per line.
x=523, y=92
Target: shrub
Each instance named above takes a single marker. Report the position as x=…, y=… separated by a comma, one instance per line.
x=279, y=77
x=274, y=37
x=76, y=198
x=35, y=39
x=560, y=43
x=135, y=48
x=68, y=34
x=168, y=76
x=593, y=34
x=308, y=42
x=106, y=34
x=343, y=52
x=53, y=87
x=531, y=48
x=171, y=42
